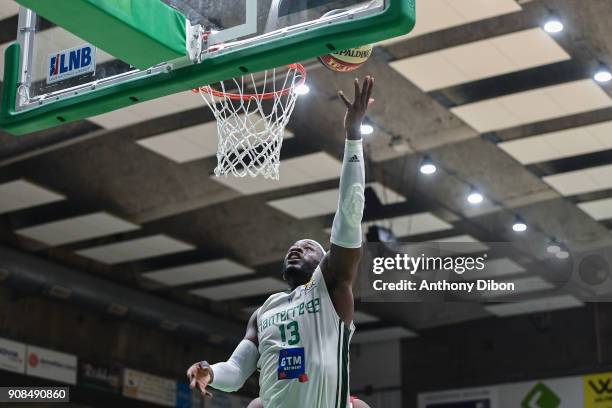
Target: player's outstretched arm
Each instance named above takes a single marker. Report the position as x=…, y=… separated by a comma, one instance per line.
x=341, y=264
x=228, y=376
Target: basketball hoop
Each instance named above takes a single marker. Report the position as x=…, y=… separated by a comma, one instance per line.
x=251, y=131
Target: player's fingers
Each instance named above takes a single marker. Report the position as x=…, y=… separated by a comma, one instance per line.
x=368, y=94
x=344, y=99
x=370, y=88
x=209, y=394
x=202, y=385
x=357, y=91
x=364, y=91
x=192, y=384
x=371, y=101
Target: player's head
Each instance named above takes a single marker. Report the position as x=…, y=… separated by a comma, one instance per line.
x=301, y=260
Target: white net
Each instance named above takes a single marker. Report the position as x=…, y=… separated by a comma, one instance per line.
x=251, y=124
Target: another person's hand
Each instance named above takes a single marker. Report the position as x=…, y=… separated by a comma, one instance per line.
x=356, y=110
x=200, y=375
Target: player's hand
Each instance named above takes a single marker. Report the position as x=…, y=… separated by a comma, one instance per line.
x=356, y=110
x=200, y=375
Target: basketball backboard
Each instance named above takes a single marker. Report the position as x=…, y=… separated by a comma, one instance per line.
x=78, y=58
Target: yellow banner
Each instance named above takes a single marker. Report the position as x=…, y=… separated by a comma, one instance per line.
x=598, y=390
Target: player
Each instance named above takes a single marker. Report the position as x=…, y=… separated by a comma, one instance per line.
x=299, y=339
x=354, y=403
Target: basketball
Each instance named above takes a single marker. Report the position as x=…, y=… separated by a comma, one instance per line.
x=347, y=60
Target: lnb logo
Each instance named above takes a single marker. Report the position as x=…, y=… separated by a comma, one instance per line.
x=541, y=396
x=70, y=63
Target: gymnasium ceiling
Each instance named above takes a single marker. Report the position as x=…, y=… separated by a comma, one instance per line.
x=478, y=87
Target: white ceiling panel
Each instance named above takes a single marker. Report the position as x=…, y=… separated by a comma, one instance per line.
x=561, y=144
x=8, y=8
x=481, y=59
x=458, y=239
x=143, y=111
x=77, y=229
x=326, y=202
x=198, y=272
x=533, y=106
x=545, y=304
x=463, y=244
x=415, y=224
x=302, y=170
x=238, y=290
x=581, y=181
x=187, y=144
x=495, y=268
x=132, y=250
x=20, y=194
x=435, y=15
x=521, y=286
x=598, y=209
x=308, y=205
x=385, y=194
x=386, y=334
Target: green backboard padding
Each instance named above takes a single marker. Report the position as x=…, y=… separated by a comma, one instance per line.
x=142, y=33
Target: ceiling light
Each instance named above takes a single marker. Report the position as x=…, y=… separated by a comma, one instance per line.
x=519, y=226
x=553, y=26
x=427, y=166
x=60, y=292
x=169, y=325
x=562, y=254
x=367, y=129
x=302, y=89
x=475, y=197
x=117, y=309
x=603, y=75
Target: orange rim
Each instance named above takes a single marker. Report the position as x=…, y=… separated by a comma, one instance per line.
x=263, y=96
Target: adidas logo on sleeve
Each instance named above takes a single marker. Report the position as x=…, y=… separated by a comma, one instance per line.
x=354, y=159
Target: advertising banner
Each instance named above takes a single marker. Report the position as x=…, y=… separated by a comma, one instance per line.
x=486, y=397
x=148, y=387
x=12, y=356
x=51, y=364
x=598, y=390
x=100, y=376
x=553, y=393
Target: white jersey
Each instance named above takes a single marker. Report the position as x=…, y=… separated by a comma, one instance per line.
x=304, y=349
